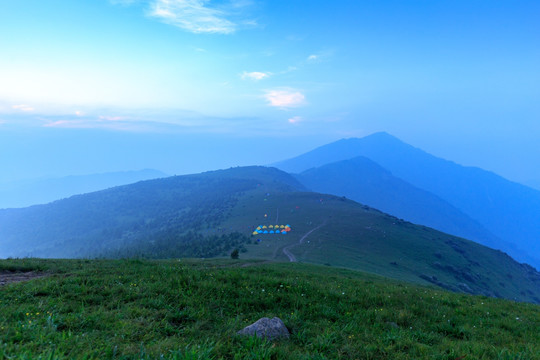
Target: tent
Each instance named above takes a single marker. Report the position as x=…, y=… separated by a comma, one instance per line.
x=255, y=233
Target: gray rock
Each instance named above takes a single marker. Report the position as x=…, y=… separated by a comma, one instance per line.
x=270, y=329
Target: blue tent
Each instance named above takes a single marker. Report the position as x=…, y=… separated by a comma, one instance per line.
x=265, y=232
x=271, y=232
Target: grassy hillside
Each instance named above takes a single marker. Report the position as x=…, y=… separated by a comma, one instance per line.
x=192, y=309
x=351, y=235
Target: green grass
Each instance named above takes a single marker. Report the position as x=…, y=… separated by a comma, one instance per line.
x=361, y=238
x=191, y=309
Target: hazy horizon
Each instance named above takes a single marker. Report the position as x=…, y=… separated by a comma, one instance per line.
x=184, y=86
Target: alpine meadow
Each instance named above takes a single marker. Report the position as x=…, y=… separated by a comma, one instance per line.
x=255, y=179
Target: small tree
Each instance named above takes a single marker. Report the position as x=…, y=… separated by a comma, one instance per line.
x=234, y=254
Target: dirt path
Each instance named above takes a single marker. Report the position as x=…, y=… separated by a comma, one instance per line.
x=286, y=249
x=8, y=278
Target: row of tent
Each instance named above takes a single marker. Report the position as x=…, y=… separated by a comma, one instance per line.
x=272, y=229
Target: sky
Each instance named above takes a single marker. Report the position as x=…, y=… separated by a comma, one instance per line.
x=191, y=85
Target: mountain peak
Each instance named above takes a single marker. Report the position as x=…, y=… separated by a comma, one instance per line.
x=344, y=149
x=483, y=196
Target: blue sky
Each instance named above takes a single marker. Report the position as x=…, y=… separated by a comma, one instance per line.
x=237, y=82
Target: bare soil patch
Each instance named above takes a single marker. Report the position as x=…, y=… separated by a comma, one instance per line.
x=13, y=277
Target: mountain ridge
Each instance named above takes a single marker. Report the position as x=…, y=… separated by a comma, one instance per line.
x=209, y=214
x=508, y=210
x=363, y=180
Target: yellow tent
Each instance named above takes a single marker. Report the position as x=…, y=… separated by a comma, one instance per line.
x=271, y=226
x=255, y=233
x=282, y=226
x=264, y=227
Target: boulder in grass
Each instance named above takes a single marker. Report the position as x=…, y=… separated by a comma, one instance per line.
x=265, y=328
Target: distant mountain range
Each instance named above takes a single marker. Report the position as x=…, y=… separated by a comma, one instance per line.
x=362, y=180
x=407, y=181
x=535, y=184
x=41, y=191
x=210, y=214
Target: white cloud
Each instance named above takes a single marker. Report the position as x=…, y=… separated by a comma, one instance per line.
x=321, y=56
x=285, y=98
x=255, y=75
x=192, y=15
x=23, y=107
x=295, y=119
x=103, y=122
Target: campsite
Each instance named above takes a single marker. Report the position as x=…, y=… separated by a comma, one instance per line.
x=269, y=179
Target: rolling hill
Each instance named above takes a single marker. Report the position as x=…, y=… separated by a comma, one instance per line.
x=508, y=210
x=211, y=213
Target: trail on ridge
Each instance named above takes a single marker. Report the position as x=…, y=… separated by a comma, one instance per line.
x=286, y=249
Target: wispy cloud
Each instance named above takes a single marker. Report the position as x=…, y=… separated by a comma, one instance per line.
x=23, y=107
x=110, y=122
x=255, y=75
x=295, y=120
x=106, y=124
x=192, y=15
x=320, y=56
x=112, y=118
x=124, y=2
x=285, y=98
